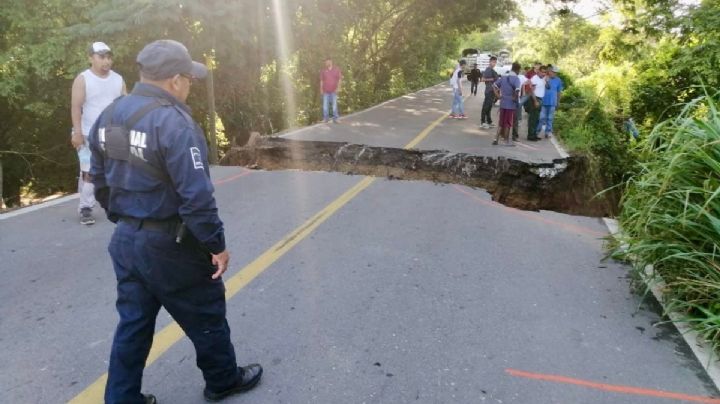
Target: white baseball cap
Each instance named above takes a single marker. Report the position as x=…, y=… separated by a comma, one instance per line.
x=100, y=48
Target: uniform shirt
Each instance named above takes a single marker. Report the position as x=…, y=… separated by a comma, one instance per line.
x=489, y=73
x=330, y=79
x=170, y=140
x=553, y=87
x=508, y=86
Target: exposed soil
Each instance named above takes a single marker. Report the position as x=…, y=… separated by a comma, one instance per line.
x=560, y=186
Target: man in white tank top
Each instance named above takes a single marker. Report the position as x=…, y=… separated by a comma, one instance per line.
x=92, y=91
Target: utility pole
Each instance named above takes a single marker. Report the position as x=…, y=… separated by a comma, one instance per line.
x=209, y=62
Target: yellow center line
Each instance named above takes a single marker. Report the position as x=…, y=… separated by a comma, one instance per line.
x=172, y=333
x=419, y=138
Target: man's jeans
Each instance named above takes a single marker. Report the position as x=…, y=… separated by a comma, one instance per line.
x=487, y=108
x=547, y=114
x=330, y=98
x=457, y=106
x=85, y=188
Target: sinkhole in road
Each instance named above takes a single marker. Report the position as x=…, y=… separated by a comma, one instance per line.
x=562, y=186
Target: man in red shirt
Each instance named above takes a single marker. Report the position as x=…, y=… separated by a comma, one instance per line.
x=534, y=71
x=330, y=78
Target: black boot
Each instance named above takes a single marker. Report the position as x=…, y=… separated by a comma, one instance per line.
x=248, y=377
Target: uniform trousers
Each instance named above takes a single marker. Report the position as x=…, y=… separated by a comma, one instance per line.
x=153, y=270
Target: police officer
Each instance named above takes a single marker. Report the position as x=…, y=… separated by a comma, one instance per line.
x=168, y=248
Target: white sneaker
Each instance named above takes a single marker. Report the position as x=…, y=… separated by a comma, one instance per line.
x=86, y=217
x=484, y=126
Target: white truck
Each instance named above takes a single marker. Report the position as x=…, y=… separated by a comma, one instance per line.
x=473, y=56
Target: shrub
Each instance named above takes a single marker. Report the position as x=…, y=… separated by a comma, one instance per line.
x=587, y=129
x=671, y=213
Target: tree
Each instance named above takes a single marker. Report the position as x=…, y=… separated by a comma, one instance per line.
x=484, y=41
x=385, y=47
x=680, y=66
x=35, y=73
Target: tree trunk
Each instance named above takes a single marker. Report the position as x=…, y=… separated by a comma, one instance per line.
x=2, y=200
x=213, y=158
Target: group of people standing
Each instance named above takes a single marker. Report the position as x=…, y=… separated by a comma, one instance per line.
x=537, y=91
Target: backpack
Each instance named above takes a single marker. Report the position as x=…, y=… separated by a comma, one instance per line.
x=528, y=86
x=515, y=90
x=498, y=94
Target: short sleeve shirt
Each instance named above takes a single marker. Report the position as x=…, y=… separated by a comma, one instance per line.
x=538, y=86
x=523, y=80
x=508, y=85
x=554, y=86
x=489, y=73
x=330, y=79
x=456, y=78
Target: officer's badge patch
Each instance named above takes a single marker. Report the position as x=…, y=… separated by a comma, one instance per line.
x=196, y=158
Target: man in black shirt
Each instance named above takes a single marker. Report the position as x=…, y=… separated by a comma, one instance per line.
x=474, y=77
x=489, y=77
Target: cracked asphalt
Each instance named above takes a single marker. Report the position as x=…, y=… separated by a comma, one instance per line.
x=404, y=292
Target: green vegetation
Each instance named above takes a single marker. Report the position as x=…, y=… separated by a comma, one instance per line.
x=670, y=178
x=654, y=68
x=588, y=129
x=596, y=69
x=484, y=41
x=671, y=213
x=385, y=47
x=670, y=208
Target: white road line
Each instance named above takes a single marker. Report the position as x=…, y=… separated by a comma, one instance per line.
x=559, y=148
x=38, y=206
x=42, y=205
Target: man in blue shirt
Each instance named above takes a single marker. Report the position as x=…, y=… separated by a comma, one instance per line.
x=151, y=175
x=550, y=102
x=509, y=88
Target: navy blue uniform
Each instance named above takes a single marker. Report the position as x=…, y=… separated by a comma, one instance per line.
x=152, y=269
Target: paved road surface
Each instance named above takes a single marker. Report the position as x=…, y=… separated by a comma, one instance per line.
x=398, y=292
x=397, y=122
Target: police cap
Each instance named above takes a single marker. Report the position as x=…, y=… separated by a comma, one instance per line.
x=165, y=58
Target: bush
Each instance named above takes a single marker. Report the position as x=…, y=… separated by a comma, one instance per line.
x=587, y=129
x=671, y=213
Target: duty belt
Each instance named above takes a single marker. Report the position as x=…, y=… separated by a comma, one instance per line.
x=169, y=226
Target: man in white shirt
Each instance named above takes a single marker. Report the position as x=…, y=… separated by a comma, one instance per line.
x=92, y=91
x=522, y=99
x=458, y=107
x=532, y=105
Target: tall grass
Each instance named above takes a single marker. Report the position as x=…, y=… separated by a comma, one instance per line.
x=671, y=214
